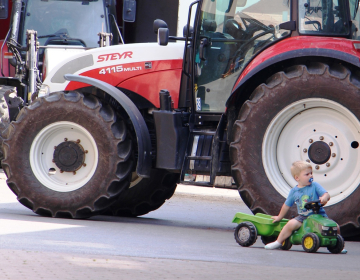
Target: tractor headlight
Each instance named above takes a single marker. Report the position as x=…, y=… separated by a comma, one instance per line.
x=328, y=231
x=44, y=90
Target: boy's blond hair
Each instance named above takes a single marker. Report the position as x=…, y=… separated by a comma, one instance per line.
x=299, y=166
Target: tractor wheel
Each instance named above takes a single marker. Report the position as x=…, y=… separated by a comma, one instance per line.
x=245, y=234
x=303, y=113
x=310, y=242
x=145, y=194
x=286, y=245
x=340, y=244
x=67, y=155
x=268, y=239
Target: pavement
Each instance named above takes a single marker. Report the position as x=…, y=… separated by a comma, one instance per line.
x=28, y=265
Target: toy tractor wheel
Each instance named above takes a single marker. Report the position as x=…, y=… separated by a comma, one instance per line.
x=268, y=239
x=245, y=234
x=340, y=244
x=286, y=245
x=310, y=242
x=305, y=112
x=79, y=155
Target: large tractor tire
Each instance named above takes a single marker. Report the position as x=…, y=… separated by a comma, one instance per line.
x=306, y=113
x=67, y=155
x=145, y=194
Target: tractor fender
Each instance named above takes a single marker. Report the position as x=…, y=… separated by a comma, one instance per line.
x=142, y=134
x=340, y=50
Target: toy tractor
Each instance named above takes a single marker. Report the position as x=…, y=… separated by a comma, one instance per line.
x=316, y=231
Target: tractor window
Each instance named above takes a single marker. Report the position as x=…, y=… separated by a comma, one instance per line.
x=230, y=34
x=323, y=17
x=77, y=19
x=355, y=17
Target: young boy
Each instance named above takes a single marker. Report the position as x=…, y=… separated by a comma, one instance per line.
x=306, y=190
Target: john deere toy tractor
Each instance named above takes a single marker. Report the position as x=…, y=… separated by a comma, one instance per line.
x=316, y=231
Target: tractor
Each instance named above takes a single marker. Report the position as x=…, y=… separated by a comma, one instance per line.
x=250, y=87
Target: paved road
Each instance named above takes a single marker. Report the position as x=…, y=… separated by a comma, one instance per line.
x=190, y=237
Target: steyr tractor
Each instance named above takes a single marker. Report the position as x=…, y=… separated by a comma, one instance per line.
x=253, y=86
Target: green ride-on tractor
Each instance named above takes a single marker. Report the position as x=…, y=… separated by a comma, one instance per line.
x=316, y=231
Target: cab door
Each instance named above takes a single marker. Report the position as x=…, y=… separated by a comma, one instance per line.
x=230, y=33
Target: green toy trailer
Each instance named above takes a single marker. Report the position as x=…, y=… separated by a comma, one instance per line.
x=316, y=231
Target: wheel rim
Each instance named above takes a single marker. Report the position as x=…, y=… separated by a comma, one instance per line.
x=308, y=242
x=42, y=156
x=333, y=132
x=244, y=234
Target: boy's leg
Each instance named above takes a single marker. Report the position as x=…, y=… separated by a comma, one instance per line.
x=286, y=231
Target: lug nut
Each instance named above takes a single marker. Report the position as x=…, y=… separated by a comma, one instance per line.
x=310, y=140
x=78, y=141
x=74, y=172
x=333, y=155
x=65, y=139
x=54, y=147
x=331, y=144
x=305, y=150
x=86, y=151
x=317, y=167
x=53, y=160
x=61, y=171
x=321, y=138
x=84, y=164
x=308, y=160
x=327, y=164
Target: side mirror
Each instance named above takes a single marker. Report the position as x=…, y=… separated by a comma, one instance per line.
x=241, y=3
x=185, y=31
x=129, y=10
x=158, y=23
x=4, y=7
x=163, y=36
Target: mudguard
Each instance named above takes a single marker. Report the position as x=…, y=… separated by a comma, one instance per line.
x=142, y=134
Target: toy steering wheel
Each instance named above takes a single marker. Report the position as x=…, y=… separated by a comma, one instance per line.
x=313, y=205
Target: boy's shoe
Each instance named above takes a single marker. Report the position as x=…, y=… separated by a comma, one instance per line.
x=273, y=245
x=344, y=251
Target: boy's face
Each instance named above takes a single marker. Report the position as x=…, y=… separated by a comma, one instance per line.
x=304, y=177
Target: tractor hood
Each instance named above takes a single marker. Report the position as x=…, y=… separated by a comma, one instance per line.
x=136, y=67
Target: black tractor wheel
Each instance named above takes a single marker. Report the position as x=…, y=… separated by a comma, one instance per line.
x=245, y=234
x=145, y=194
x=303, y=113
x=286, y=245
x=67, y=155
x=310, y=242
x=340, y=244
x=268, y=239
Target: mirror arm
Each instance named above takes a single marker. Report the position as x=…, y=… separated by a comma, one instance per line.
x=203, y=43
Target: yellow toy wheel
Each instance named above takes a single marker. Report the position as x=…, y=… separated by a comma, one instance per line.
x=310, y=242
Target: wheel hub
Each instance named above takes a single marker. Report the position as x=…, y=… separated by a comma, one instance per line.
x=69, y=156
x=319, y=152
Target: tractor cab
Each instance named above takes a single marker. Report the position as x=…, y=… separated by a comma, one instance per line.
x=230, y=33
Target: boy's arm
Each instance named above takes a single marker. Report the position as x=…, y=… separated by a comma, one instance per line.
x=324, y=198
x=283, y=211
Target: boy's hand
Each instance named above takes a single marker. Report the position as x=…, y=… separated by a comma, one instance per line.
x=324, y=199
x=276, y=219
